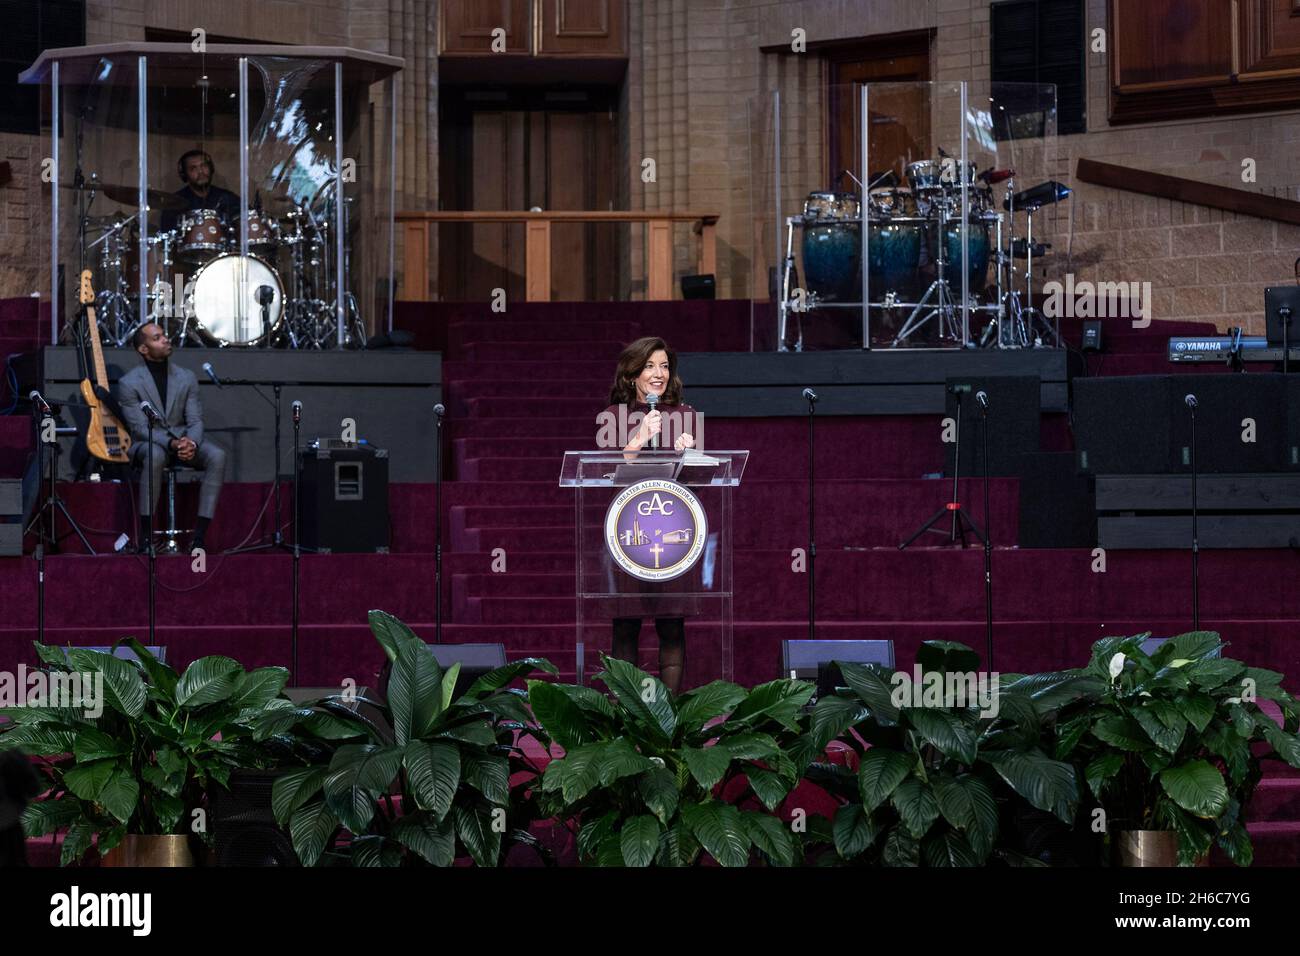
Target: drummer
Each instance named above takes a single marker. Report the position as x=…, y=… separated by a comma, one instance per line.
x=196, y=170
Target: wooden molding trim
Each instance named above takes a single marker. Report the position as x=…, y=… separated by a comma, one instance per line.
x=1240, y=201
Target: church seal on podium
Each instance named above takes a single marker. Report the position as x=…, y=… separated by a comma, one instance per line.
x=656, y=530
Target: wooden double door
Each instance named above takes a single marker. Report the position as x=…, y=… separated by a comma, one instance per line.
x=520, y=149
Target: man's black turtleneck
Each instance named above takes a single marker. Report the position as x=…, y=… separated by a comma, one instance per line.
x=159, y=372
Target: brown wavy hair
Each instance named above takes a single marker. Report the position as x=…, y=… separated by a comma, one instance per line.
x=631, y=363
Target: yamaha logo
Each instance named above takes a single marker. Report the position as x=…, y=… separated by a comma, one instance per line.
x=656, y=530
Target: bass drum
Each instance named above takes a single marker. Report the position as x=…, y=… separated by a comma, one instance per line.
x=222, y=301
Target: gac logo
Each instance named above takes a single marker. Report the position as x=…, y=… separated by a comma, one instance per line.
x=655, y=505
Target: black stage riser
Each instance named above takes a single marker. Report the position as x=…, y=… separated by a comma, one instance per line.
x=856, y=382
x=389, y=394
x=1013, y=422
x=1235, y=511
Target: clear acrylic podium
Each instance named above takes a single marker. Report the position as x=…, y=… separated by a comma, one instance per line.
x=652, y=538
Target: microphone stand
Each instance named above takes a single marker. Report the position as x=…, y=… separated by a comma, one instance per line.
x=297, y=550
x=1196, y=549
x=437, y=524
x=811, y=396
x=988, y=542
x=277, y=541
x=153, y=569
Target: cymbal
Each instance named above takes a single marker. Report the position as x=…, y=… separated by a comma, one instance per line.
x=129, y=195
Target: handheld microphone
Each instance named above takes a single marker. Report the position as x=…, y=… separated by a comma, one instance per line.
x=810, y=395
x=1190, y=400
x=982, y=398
x=297, y=411
x=652, y=399
x=207, y=367
x=38, y=399
x=440, y=409
x=150, y=412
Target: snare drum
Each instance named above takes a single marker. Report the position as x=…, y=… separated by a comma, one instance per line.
x=222, y=300
x=202, y=235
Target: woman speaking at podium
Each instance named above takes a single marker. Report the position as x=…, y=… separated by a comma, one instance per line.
x=648, y=367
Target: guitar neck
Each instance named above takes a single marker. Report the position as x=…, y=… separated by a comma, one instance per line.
x=101, y=373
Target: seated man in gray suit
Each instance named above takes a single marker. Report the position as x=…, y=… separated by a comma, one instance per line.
x=174, y=393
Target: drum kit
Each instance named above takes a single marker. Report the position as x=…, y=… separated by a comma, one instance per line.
x=916, y=261
x=200, y=287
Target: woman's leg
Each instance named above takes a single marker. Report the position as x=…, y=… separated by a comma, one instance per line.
x=626, y=630
x=672, y=651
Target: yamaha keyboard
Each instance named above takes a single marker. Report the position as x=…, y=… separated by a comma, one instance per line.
x=1215, y=348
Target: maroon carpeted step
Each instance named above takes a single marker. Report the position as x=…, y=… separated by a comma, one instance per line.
x=538, y=352
x=578, y=432
x=457, y=371
x=533, y=390
x=16, y=433
x=505, y=328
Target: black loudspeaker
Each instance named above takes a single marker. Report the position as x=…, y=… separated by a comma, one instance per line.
x=1015, y=407
x=1121, y=424
x=343, y=498
x=1291, y=451
x=815, y=660
x=244, y=830
x=1058, y=504
x=1231, y=408
x=699, y=287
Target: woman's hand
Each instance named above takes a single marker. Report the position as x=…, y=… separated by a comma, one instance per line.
x=684, y=442
x=650, y=426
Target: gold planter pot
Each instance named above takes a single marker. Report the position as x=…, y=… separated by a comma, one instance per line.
x=139, y=850
x=1146, y=848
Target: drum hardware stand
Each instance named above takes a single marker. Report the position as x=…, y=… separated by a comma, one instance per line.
x=943, y=308
x=811, y=397
x=277, y=541
x=982, y=399
x=439, y=410
x=961, y=521
x=297, y=549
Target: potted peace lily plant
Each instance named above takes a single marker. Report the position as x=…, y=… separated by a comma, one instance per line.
x=129, y=749
x=1171, y=745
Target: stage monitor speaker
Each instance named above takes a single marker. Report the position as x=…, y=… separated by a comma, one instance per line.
x=1058, y=505
x=1015, y=408
x=244, y=831
x=1241, y=423
x=699, y=287
x=343, y=503
x=1291, y=453
x=1151, y=644
x=1121, y=424
x=815, y=660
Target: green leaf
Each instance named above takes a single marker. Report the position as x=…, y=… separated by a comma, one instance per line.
x=619, y=759
x=120, y=794
x=160, y=675
x=778, y=700
x=872, y=684
x=1213, y=673
x=949, y=849
x=92, y=744
x=414, y=692
x=881, y=771
x=1165, y=737
x=1122, y=732
x=901, y=849
x=559, y=716
x=373, y=850
x=944, y=730
x=1197, y=709
x=489, y=775
x=88, y=780
x=207, y=681
x=479, y=732
x=576, y=773
x=658, y=788
x=76, y=842
x=708, y=765
x=1223, y=741
x=255, y=688
x=1069, y=733
x=293, y=788
x=1102, y=768
x=1236, y=845
x=449, y=684
x=720, y=831
x=968, y=805
x=43, y=739
x=1197, y=787
x=124, y=689
x=751, y=746
x=832, y=716
x=593, y=833
x=433, y=771
x=358, y=774
x=507, y=674
x=770, y=787
x=770, y=836
x=476, y=832
x=46, y=816
x=853, y=830
x=1047, y=784
x=434, y=842
x=697, y=708
x=915, y=803
x=1268, y=684
x=168, y=809
x=391, y=633
x=638, y=840
x=643, y=696
x=1192, y=646
x=1286, y=745
x=311, y=829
